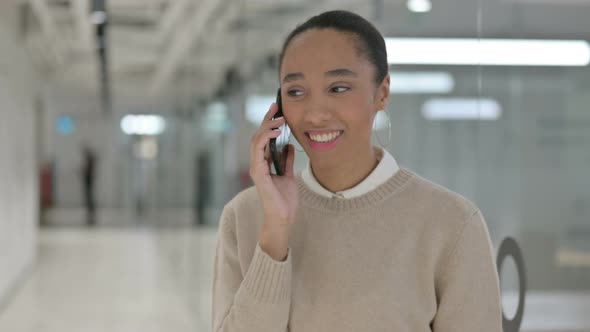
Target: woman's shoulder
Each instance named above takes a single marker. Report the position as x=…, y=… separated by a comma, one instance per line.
x=438, y=199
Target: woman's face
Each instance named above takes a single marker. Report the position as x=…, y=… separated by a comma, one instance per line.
x=330, y=96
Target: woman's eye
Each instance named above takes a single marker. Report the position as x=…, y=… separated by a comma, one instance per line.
x=339, y=89
x=294, y=93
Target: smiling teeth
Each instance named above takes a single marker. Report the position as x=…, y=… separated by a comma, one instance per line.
x=324, y=138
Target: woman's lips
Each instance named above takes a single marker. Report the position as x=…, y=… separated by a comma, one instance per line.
x=323, y=146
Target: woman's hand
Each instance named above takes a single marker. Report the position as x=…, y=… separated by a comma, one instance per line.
x=278, y=194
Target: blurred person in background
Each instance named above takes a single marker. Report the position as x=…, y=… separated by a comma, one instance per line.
x=354, y=242
x=46, y=190
x=88, y=172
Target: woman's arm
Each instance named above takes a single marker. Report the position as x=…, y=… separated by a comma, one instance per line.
x=257, y=301
x=468, y=292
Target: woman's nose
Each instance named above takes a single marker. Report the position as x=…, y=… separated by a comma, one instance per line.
x=316, y=114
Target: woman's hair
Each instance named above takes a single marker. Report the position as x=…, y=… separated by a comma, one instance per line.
x=370, y=42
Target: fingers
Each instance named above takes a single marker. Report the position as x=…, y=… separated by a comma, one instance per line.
x=265, y=132
x=271, y=111
x=290, y=160
x=259, y=144
x=267, y=152
x=272, y=124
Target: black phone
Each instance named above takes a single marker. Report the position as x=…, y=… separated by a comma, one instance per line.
x=278, y=145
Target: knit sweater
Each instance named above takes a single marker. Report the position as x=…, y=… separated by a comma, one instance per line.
x=408, y=256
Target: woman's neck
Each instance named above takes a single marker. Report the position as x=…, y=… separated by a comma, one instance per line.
x=347, y=174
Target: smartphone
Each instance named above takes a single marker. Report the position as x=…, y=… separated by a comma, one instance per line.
x=278, y=145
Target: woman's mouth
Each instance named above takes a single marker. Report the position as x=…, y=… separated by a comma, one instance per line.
x=325, y=140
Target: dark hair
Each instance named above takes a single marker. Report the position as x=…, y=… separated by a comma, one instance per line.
x=370, y=42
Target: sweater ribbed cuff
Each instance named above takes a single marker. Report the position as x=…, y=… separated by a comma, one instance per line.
x=267, y=280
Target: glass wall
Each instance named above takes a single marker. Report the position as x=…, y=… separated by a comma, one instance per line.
x=533, y=162
x=504, y=129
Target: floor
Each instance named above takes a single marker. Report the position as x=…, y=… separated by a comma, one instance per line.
x=153, y=279
x=115, y=279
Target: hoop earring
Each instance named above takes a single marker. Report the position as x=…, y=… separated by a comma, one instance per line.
x=388, y=130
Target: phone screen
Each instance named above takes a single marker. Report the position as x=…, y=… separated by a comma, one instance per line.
x=278, y=146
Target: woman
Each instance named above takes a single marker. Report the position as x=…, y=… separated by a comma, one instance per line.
x=354, y=242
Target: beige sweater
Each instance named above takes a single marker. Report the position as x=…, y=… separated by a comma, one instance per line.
x=409, y=256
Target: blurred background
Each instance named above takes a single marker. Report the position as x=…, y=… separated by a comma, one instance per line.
x=125, y=128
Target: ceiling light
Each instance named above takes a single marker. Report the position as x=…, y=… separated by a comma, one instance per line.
x=421, y=82
x=489, y=52
x=98, y=17
x=419, y=6
x=143, y=124
x=461, y=109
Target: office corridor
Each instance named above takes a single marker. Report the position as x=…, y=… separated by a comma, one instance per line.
x=114, y=279
x=127, y=126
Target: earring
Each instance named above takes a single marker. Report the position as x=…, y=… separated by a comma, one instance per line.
x=388, y=129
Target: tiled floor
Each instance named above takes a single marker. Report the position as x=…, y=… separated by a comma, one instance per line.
x=149, y=279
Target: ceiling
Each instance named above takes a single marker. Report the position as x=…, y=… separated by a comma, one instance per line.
x=162, y=48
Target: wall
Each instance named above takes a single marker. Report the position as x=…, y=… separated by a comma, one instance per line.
x=18, y=194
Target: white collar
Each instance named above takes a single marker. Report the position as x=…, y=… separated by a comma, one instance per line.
x=386, y=168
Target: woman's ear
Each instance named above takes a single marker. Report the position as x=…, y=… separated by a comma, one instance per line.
x=383, y=93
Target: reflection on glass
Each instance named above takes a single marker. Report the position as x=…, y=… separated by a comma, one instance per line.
x=461, y=109
x=421, y=82
x=489, y=52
